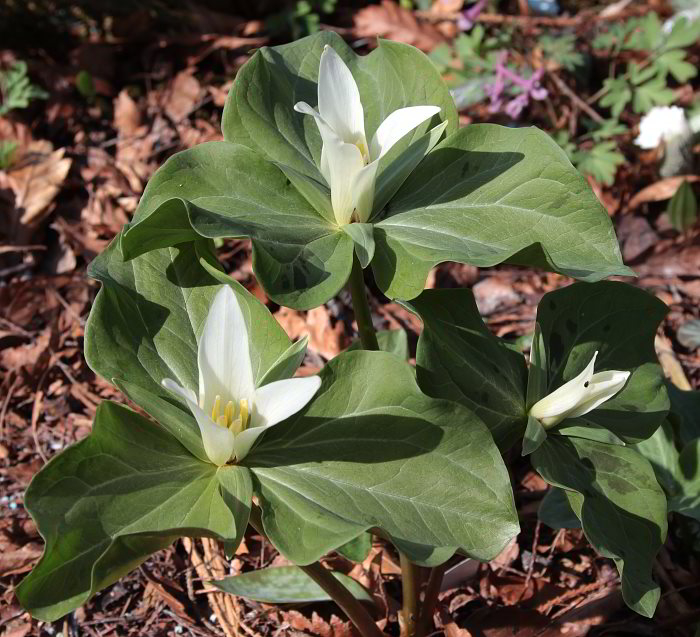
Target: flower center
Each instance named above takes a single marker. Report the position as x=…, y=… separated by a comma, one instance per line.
x=362, y=147
x=228, y=418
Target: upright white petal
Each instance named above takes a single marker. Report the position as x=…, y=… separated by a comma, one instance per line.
x=396, y=125
x=224, y=356
x=362, y=190
x=274, y=403
x=603, y=386
x=218, y=441
x=554, y=407
x=344, y=164
x=339, y=98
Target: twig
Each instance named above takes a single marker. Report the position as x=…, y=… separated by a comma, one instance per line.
x=561, y=85
x=531, y=565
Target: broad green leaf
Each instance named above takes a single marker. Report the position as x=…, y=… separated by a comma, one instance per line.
x=260, y=114
x=394, y=341
x=221, y=189
x=459, y=359
x=105, y=504
x=556, y=512
x=620, y=504
x=618, y=321
x=285, y=585
x=358, y=549
x=145, y=324
x=367, y=453
x=660, y=450
x=489, y=194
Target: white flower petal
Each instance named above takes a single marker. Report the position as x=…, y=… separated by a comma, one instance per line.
x=218, y=441
x=339, y=98
x=224, y=356
x=281, y=399
x=603, y=386
x=275, y=403
x=344, y=163
x=362, y=190
x=396, y=125
x=554, y=407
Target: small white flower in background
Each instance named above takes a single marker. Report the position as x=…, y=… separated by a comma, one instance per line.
x=231, y=412
x=579, y=396
x=662, y=123
x=348, y=163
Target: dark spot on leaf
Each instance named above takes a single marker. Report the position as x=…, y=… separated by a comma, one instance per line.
x=485, y=398
x=586, y=384
x=606, y=327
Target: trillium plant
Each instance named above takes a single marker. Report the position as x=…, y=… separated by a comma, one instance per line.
x=340, y=168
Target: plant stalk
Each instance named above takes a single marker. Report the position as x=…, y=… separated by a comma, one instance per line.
x=357, y=614
x=408, y=616
x=360, y=304
x=430, y=601
x=342, y=596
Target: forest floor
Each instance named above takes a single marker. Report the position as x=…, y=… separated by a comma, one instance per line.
x=83, y=157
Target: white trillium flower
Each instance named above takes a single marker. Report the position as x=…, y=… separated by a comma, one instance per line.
x=579, y=396
x=348, y=163
x=231, y=412
x=662, y=124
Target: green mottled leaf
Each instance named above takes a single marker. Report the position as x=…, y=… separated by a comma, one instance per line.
x=394, y=341
x=105, y=504
x=221, y=189
x=369, y=454
x=620, y=504
x=489, y=194
x=459, y=359
x=618, y=321
x=285, y=585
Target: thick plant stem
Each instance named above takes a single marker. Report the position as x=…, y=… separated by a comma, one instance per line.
x=336, y=591
x=409, y=612
x=341, y=596
x=430, y=601
x=363, y=314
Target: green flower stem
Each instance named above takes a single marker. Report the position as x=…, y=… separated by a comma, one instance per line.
x=340, y=595
x=425, y=621
x=363, y=314
x=408, y=615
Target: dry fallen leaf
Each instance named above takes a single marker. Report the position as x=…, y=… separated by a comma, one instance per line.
x=391, y=21
x=660, y=190
x=127, y=116
x=183, y=95
x=35, y=180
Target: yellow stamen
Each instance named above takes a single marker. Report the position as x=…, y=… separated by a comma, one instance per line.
x=228, y=413
x=221, y=421
x=216, y=410
x=244, y=413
